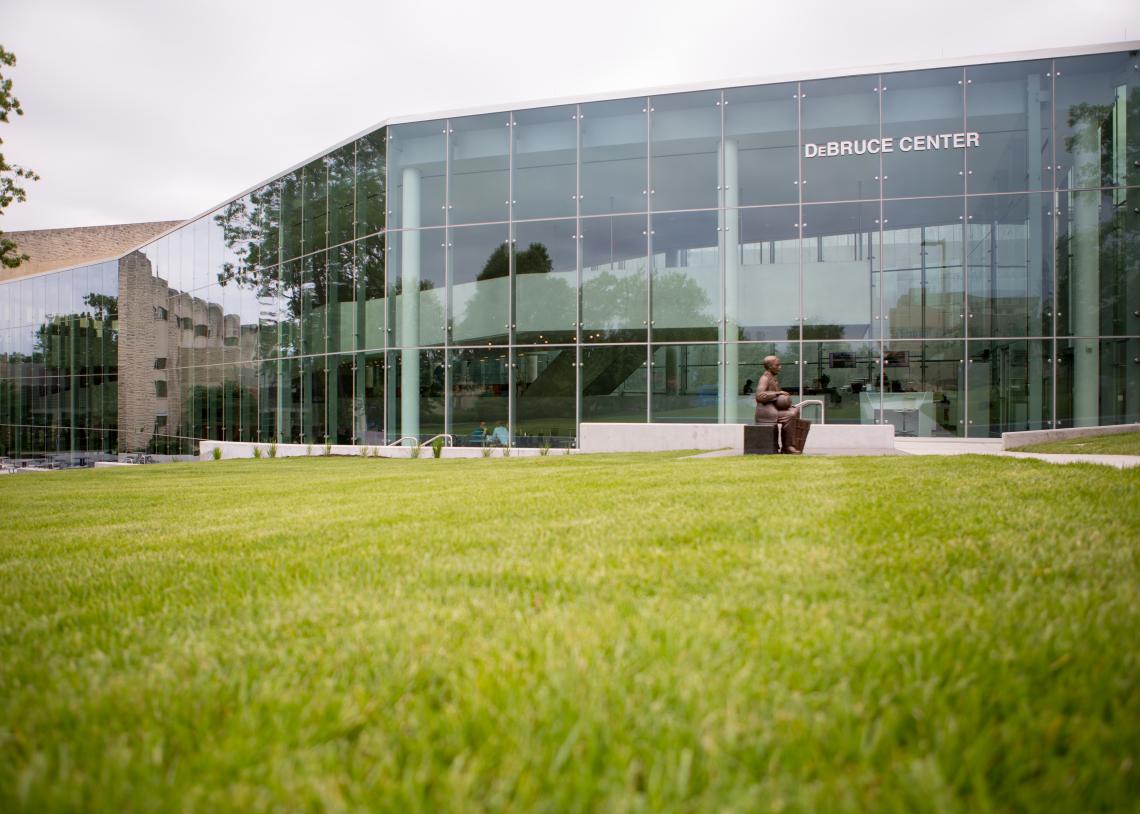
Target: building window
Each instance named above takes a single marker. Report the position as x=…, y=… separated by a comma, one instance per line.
x=160, y=363
x=161, y=314
x=160, y=389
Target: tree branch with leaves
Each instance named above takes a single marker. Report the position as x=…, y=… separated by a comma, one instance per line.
x=12, y=177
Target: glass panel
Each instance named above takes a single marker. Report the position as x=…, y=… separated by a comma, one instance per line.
x=923, y=114
x=845, y=375
x=314, y=400
x=841, y=140
x=417, y=319
x=339, y=398
x=291, y=215
x=340, y=325
x=269, y=313
x=685, y=145
x=1009, y=257
x=479, y=262
x=342, y=193
x=686, y=276
x=266, y=212
x=614, y=276
x=418, y=162
x=1008, y=106
x=419, y=416
x=314, y=294
x=686, y=383
x=761, y=136
x=290, y=325
x=1098, y=382
x=614, y=174
x=762, y=273
x=922, y=268
x=480, y=170
x=1096, y=97
x=369, y=258
x=546, y=299
x=267, y=400
x=1010, y=386
x=545, y=395
x=744, y=364
x=545, y=153
x=840, y=253
x=922, y=383
x=371, y=183
x=369, y=394
x=480, y=390
x=614, y=383
x=315, y=209
x=1098, y=278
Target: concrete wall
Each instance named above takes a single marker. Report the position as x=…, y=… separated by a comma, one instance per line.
x=824, y=439
x=1013, y=440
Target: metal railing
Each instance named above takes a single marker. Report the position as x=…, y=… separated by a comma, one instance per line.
x=399, y=442
x=815, y=401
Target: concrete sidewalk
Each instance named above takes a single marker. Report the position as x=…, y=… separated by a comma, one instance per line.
x=993, y=446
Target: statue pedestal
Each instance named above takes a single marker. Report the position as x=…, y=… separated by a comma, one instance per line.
x=761, y=439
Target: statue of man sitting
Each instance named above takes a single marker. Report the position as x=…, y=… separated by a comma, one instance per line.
x=774, y=406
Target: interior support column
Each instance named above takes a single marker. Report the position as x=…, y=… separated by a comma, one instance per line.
x=1084, y=310
x=409, y=337
x=730, y=229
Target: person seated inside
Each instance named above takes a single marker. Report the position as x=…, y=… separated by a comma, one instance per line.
x=500, y=436
x=479, y=434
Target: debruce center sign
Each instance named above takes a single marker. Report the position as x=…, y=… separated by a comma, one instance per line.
x=874, y=146
x=950, y=248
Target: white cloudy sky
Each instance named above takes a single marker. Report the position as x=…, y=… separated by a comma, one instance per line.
x=159, y=109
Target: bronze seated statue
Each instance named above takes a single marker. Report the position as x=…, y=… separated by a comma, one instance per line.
x=774, y=406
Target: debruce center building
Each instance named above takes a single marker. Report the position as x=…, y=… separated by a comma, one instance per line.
x=953, y=249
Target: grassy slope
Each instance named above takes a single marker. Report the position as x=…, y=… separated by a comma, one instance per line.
x=1125, y=443
x=572, y=634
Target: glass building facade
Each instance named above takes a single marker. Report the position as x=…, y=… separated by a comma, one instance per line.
x=951, y=250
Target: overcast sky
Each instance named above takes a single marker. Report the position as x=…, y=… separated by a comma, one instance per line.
x=156, y=109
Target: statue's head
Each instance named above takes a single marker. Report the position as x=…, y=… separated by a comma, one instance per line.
x=772, y=364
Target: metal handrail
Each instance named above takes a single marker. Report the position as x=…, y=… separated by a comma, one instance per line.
x=822, y=417
x=450, y=440
x=399, y=442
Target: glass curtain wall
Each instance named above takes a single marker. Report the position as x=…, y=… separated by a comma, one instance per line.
x=950, y=251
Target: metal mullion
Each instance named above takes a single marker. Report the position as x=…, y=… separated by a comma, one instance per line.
x=883, y=327
x=446, y=279
x=1055, y=216
x=649, y=265
x=965, y=267
x=800, y=230
x=578, y=273
x=511, y=375
x=722, y=204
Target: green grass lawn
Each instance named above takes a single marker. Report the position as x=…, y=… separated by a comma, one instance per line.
x=587, y=633
x=1125, y=443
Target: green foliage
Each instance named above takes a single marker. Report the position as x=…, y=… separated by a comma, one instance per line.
x=364, y=452
x=257, y=452
x=415, y=450
x=217, y=453
x=544, y=448
x=486, y=450
x=273, y=450
x=594, y=633
x=437, y=448
x=309, y=449
x=12, y=177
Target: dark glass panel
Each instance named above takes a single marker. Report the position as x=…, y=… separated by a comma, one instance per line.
x=1010, y=386
x=761, y=161
x=844, y=375
x=341, y=165
x=1098, y=277
x=686, y=276
x=269, y=312
x=1009, y=260
x=686, y=383
x=291, y=307
x=545, y=265
x=1096, y=120
x=421, y=374
x=685, y=146
x=368, y=410
x=840, y=255
x=1008, y=106
x=314, y=206
x=314, y=298
x=1098, y=382
x=339, y=398
x=480, y=391
x=417, y=156
x=835, y=113
x=614, y=279
x=372, y=183
x=614, y=380
x=340, y=322
x=614, y=172
x=922, y=112
x=922, y=268
x=292, y=214
x=370, y=257
x=546, y=381
x=418, y=319
x=479, y=293
x=479, y=186
x=545, y=174
x=268, y=400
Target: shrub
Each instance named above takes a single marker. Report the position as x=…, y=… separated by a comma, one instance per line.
x=308, y=449
x=257, y=452
x=273, y=450
x=217, y=453
x=328, y=448
x=487, y=451
x=364, y=452
x=544, y=448
x=507, y=451
x=415, y=453
x=437, y=448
